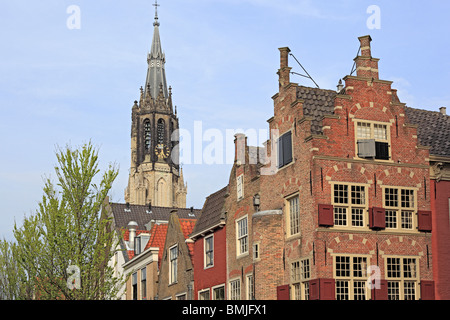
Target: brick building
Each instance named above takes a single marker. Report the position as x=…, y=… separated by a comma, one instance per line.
x=351, y=189
x=434, y=131
x=176, y=274
x=209, y=236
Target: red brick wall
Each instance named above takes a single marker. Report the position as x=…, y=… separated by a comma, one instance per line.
x=441, y=237
x=213, y=276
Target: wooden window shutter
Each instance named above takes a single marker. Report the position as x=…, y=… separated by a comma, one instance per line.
x=314, y=289
x=382, y=292
x=322, y=289
x=427, y=290
x=382, y=150
x=366, y=148
x=377, y=218
x=327, y=289
x=283, y=292
x=287, y=147
x=424, y=221
x=280, y=153
x=326, y=215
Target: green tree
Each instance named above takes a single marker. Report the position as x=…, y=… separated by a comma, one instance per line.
x=71, y=232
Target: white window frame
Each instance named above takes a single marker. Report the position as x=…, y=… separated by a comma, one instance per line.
x=349, y=206
x=351, y=278
x=234, y=285
x=173, y=265
x=249, y=286
x=372, y=136
x=289, y=218
x=403, y=279
x=204, y=291
x=399, y=209
x=240, y=187
x=213, y=290
x=205, y=256
x=241, y=238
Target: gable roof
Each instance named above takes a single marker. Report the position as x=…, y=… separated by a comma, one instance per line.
x=211, y=211
x=142, y=214
x=158, y=239
x=317, y=103
x=433, y=130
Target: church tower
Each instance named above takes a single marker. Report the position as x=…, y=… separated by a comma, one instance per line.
x=155, y=175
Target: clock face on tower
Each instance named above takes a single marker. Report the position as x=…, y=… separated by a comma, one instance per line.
x=162, y=151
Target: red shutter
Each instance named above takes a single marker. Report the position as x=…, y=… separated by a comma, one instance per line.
x=283, y=292
x=326, y=215
x=327, y=289
x=424, y=221
x=322, y=289
x=314, y=289
x=380, y=293
x=427, y=290
x=377, y=218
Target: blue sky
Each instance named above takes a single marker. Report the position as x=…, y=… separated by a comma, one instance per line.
x=60, y=86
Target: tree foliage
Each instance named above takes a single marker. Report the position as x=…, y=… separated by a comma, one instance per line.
x=69, y=231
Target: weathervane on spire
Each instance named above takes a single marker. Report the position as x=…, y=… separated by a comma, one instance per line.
x=156, y=5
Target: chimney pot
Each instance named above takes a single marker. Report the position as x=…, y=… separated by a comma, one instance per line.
x=443, y=110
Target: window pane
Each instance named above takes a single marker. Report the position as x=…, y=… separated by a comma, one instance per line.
x=358, y=195
x=359, y=290
x=340, y=193
x=294, y=216
x=394, y=290
x=363, y=130
x=407, y=198
x=391, y=197
x=357, y=217
x=342, y=290
x=342, y=266
x=393, y=267
x=380, y=132
x=391, y=219
x=407, y=222
x=340, y=216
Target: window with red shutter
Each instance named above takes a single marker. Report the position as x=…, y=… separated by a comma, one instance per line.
x=427, y=290
x=424, y=221
x=377, y=218
x=283, y=292
x=326, y=218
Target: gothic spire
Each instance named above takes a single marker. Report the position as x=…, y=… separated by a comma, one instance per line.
x=156, y=75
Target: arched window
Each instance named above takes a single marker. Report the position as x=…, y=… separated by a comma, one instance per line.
x=161, y=131
x=147, y=134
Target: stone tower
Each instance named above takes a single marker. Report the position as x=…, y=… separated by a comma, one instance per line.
x=155, y=174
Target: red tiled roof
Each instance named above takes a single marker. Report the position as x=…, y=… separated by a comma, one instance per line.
x=187, y=226
x=158, y=239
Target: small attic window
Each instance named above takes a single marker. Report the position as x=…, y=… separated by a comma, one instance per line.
x=372, y=140
x=285, y=149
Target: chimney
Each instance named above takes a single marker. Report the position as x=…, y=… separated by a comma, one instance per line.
x=132, y=228
x=285, y=70
x=340, y=86
x=240, y=144
x=443, y=110
x=366, y=66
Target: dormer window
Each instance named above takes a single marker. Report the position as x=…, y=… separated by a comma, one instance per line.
x=372, y=140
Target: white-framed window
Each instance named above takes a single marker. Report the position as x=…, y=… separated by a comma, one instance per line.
x=249, y=284
x=242, y=236
x=402, y=277
x=204, y=295
x=134, y=286
x=350, y=205
x=293, y=218
x=240, y=187
x=181, y=296
x=401, y=206
x=350, y=273
x=372, y=139
x=218, y=292
x=209, y=251
x=144, y=283
x=256, y=256
x=300, y=276
x=173, y=265
x=235, y=289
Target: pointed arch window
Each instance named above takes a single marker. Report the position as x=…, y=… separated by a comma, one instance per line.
x=161, y=131
x=147, y=134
